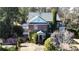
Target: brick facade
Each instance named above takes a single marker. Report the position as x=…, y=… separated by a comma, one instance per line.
x=33, y=27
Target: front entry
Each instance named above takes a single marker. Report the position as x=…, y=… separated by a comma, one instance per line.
x=40, y=39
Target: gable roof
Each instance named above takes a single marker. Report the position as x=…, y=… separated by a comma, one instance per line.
x=38, y=20
x=46, y=16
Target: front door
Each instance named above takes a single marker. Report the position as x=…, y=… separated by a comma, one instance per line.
x=40, y=39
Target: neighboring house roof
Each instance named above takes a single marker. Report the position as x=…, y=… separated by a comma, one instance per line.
x=38, y=20
x=25, y=33
x=25, y=26
x=46, y=16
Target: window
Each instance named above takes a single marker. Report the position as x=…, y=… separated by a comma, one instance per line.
x=35, y=27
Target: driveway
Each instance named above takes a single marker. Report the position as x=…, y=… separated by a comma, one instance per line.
x=31, y=47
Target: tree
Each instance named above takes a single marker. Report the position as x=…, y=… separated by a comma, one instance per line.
x=23, y=14
x=10, y=14
x=71, y=20
x=33, y=9
x=18, y=30
x=53, y=23
x=54, y=14
x=4, y=32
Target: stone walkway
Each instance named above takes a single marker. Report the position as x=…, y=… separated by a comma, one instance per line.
x=31, y=47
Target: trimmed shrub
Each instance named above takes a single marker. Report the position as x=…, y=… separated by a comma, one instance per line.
x=34, y=38
x=30, y=36
x=49, y=45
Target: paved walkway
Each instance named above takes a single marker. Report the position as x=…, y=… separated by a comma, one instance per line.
x=31, y=47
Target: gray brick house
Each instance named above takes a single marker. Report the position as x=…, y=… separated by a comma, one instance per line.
x=37, y=22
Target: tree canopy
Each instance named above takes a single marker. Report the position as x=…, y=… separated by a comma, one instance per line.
x=9, y=15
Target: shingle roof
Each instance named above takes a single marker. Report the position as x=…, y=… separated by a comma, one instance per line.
x=45, y=16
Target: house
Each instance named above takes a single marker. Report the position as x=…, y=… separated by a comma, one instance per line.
x=45, y=15
x=37, y=23
x=40, y=21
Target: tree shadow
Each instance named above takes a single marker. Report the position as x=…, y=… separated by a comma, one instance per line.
x=23, y=46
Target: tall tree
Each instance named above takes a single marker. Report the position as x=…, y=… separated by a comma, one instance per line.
x=53, y=23
x=10, y=14
x=23, y=14
x=54, y=14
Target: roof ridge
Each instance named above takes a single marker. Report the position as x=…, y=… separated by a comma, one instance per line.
x=42, y=18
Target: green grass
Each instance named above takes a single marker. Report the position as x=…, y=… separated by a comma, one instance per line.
x=7, y=49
